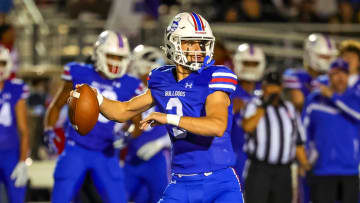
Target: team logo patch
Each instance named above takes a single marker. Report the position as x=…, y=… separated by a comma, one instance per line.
x=174, y=25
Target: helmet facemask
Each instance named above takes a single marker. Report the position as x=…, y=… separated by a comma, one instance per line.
x=110, y=67
x=249, y=62
x=191, y=59
x=319, y=62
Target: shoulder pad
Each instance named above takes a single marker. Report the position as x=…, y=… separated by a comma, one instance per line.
x=159, y=76
x=162, y=68
x=222, y=78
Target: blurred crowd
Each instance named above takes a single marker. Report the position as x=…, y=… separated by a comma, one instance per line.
x=302, y=11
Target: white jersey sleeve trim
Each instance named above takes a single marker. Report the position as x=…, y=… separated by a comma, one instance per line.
x=217, y=74
x=66, y=77
x=321, y=107
x=347, y=109
x=226, y=86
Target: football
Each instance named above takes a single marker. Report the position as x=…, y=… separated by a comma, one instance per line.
x=83, y=109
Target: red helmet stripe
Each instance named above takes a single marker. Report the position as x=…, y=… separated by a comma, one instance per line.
x=195, y=25
x=202, y=24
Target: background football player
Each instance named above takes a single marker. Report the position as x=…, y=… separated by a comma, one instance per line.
x=319, y=51
x=249, y=62
x=149, y=151
x=93, y=153
x=13, y=122
x=194, y=100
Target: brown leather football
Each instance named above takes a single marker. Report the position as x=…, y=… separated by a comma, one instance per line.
x=83, y=109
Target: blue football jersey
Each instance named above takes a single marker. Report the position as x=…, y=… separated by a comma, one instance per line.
x=122, y=89
x=194, y=153
x=146, y=136
x=302, y=80
x=12, y=92
x=298, y=79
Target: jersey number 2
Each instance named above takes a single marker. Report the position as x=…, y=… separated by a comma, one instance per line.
x=176, y=103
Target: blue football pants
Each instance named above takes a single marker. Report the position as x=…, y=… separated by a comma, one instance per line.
x=240, y=166
x=221, y=186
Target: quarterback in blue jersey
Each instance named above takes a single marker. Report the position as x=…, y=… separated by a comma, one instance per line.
x=13, y=127
x=319, y=51
x=194, y=98
x=94, y=153
x=249, y=62
x=149, y=151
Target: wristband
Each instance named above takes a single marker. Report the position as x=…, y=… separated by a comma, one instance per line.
x=100, y=98
x=173, y=119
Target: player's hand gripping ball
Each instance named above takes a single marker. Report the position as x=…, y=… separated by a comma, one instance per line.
x=83, y=109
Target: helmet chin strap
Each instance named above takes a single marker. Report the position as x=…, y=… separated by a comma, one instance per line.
x=206, y=63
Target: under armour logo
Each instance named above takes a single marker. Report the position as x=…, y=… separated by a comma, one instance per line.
x=188, y=85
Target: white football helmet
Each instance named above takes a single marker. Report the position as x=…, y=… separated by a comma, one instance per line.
x=144, y=59
x=319, y=51
x=249, y=62
x=5, y=63
x=188, y=26
x=113, y=43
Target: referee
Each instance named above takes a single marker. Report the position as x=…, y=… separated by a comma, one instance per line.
x=272, y=141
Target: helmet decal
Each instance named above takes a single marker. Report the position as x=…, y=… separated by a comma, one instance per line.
x=328, y=42
x=121, y=42
x=251, y=49
x=198, y=23
x=174, y=25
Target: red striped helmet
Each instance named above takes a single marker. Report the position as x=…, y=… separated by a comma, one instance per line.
x=188, y=26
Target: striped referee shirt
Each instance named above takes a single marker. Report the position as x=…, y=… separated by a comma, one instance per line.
x=277, y=134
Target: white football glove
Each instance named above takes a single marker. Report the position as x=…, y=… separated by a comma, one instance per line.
x=148, y=150
x=20, y=174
